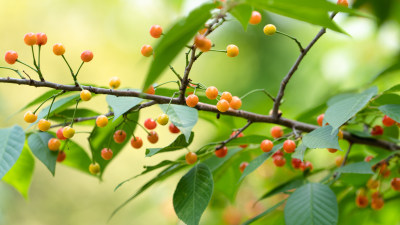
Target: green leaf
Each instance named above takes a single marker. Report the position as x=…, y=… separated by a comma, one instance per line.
x=179, y=143
x=392, y=111
x=251, y=139
x=386, y=99
x=340, y=97
x=193, y=193
x=121, y=105
x=340, y=112
x=38, y=144
x=175, y=39
x=242, y=13
x=322, y=138
x=20, y=175
x=288, y=185
x=215, y=162
x=80, y=112
x=390, y=69
x=185, y=118
x=250, y=221
x=76, y=157
x=40, y=99
x=359, y=167
x=313, y=203
x=299, y=152
x=257, y=162
x=11, y=143
x=393, y=89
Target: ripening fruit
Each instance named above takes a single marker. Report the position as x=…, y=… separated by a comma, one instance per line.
x=41, y=38
x=343, y=3
x=101, y=121
x=29, y=117
x=94, y=168
x=387, y=121
x=372, y=184
x=30, y=39
x=212, y=92
x=320, y=119
x=306, y=166
x=150, y=90
x=339, y=161
x=270, y=29
x=163, y=119
x=146, y=50
x=377, y=130
x=11, y=57
x=395, y=183
x=61, y=156
x=223, y=105
x=106, y=153
x=150, y=124
x=136, y=142
x=173, y=129
x=192, y=100
x=87, y=56
x=115, y=82
x=202, y=43
x=152, y=137
x=255, y=18
x=54, y=144
x=377, y=203
x=191, y=158
x=385, y=173
x=278, y=153
x=279, y=161
x=226, y=96
x=340, y=135
x=361, y=201
x=58, y=49
x=332, y=150
x=44, y=125
x=86, y=95
x=68, y=132
x=221, y=152
x=60, y=135
x=266, y=145
x=289, y=146
x=368, y=158
x=156, y=31
x=243, y=166
x=232, y=51
x=236, y=103
x=296, y=163
x=276, y=132
x=203, y=31
x=119, y=136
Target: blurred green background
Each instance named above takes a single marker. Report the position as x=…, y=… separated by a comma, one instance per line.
x=115, y=31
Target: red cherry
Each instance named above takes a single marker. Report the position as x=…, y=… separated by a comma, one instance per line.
x=119, y=136
x=152, y=137
x=221, y=152
x=377, y=130
x=368, y=158
x=239, y=135
x=106, y=153
x=60, y=134
x=277, y=153
x=296, y=163
x=387, y=121
x=306, y=165
x=243, y=166
x=136, y=142
x=279, y=161
x=173, y=129
x=61, y=156
x=266, y=145
x=150, y=124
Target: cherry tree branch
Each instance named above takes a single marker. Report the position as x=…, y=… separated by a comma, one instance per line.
x=238, y=132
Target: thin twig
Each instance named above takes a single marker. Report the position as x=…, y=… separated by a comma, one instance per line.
x=337, y=174
x=238, y=132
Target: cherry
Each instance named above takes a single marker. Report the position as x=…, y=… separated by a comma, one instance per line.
x=60, y=134
x=320, y=119
x=136, y=142
x=61, y=156
x=368, y=158
x=212, y=92
x=255, y=18
x=339, y=161
x=377, y=130
x=276, y=132
x=41, y=38
x=203, y=31
x=223, y=105
x=232, y=50
x=296, y=163
x=289, y=146
x=306, y=165
x=192, y=100
x=58, y=49
x=54, y=144
x=146, y=50
x=277, y=153
x=270, y=29
x=266, y=145
x=85, y=95
x=385, y=173
x=156, y=31
x=173, y=129
x=101, y=121
x=87, y=56
x=68, y=132
x=377, y=203
x=152, y=137
x=361, y=201
x=150, y=90
x=243, y=166
x=29, y=117
x=11, y=57
x=30, y=39
x=372, y=184
x=115, y=82
x=221, y=152
x=191, y=158
x=106, y=153
x=236, y=103
x=119, y=136
x=203, y=43
x=395, y=183
x=279, y=161
x=150, y=124
x=226, y=96
x=332, y=150
x=44, y=125
x=163, y=119
x=239, y=135
x=94, y=168
x=343, y=3
x=387, y=121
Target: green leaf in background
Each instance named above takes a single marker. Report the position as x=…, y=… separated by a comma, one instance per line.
x=392, y=111
x=193, y=193
x=179, y=143
x=242, y=13
x=322, y=138
x=185, y=118
x=257, y=162
x=393, y=89
x=288, y=185
x=121, y=105
x=40, y=99
x=386, y=99
x=12, y=141
x=250, y=221
x=359, y=167
x=77, y=157
x=299, y=152
x=175, y=39
x=215, y=162
x=20, y=175
x=390, y=69
x=339, y=97
x=340, y=112
x=313, y=203
x=38, y=144
x=80, y=112
x=251, y=139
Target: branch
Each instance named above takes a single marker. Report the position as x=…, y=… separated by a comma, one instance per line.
x=238, y=132
x=343, y=162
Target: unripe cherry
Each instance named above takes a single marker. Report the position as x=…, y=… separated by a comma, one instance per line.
x=68, y=132
x=270, y=29
x=255, y=18
x=30, y=39
x=212, y=92
x=368, y=158
x=332, y=150
x=232, y=50
x=191, y=158
x=146, y=50
x=226, y=96
x=306, y=166
x=163, y=119
x=236, y=103
x=29, y=117
x=58, y=49
x=11, y=57
x=361, y=201
x=114, y=82
x=395, y=183
x=343, y=3
x=223, y=105
x=101, y=121
x=339, y=161
x=94, y=168
x=85, y=95
x=156, y=31
x=192, y=100
x=44, y=125
x=150, y=90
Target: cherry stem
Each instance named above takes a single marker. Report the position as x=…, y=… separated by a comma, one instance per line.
x=293, y=38
x=212, y=50
x=140, y=125
x=258, y=90
x=51, y=104
x=166, y=111
x=176, y=73
x=79, y=69
x=70, y=69
x=36, y=65
x=53, y=96
x=172, y=81
x=76, y=107
x=27, y=65
x=15, y=70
